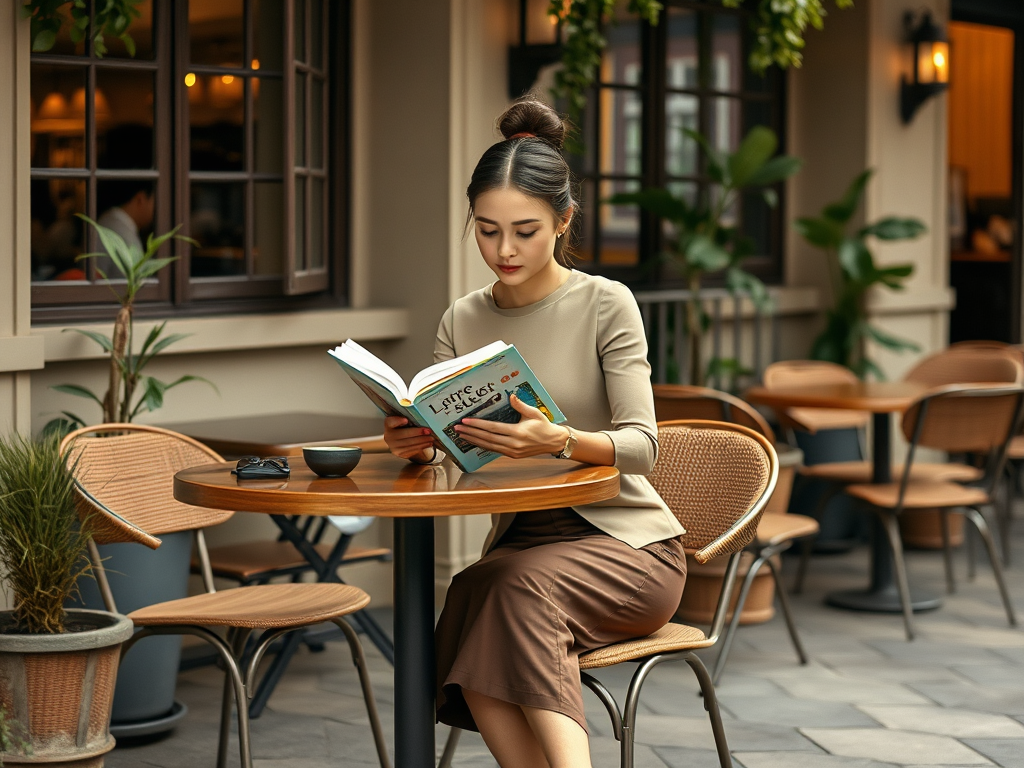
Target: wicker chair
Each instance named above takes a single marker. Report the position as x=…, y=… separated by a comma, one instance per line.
x=979, y=419
x=776, y=532
x=124, y=478
x=717, y=479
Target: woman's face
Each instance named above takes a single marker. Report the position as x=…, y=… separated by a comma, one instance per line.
x=516, y=235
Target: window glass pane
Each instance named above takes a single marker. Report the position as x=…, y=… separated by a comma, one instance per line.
x=300, y=119
x=299, y=223
x=316, y=122
x=64, y=46
x=583, y=225
x=688, y=190
x=216, y=32
x=620, y=63
x=300, y=30
x=268, y=20
x=726, y=51
x=682, y=63
x=127, y=207
x=756, y=222
x=124, y=118
x=620, y=226
x=216, y=112
x=681, y=113
x=316, y=232
x=268, y=125
x=723, y=120
x=758, y=113
x=621, y=113
x=217, y=222
x=141, y=33
x=57, y=236
x=268, y=250
x=316, y=42
x=58, y=116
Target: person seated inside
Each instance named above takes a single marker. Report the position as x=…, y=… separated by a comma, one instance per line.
x=127, y=207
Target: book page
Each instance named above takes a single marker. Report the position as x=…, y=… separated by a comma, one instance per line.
x=437, y=372
x=367, y=362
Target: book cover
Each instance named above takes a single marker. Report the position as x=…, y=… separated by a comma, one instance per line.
x=479, y=391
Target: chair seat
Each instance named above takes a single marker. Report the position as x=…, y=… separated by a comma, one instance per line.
x=671, y=637
x=775, y=529
x=920, y=495
x=242, y=562
x=860, y=472
x=817, y=419
x=1015, y=450
x=270, y=606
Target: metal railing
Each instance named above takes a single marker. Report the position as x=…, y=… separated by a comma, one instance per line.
x=740, y=336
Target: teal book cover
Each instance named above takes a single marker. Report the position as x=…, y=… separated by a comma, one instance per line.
x=477, y=385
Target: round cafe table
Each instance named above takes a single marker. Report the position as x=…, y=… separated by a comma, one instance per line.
x=385, y=486
x=881, y=399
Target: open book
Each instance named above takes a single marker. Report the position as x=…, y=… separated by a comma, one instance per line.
x=477, y=385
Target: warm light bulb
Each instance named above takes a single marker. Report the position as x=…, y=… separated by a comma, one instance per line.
x=227, y=79
x=190, y=79
x=255, y=63
x=939, y=59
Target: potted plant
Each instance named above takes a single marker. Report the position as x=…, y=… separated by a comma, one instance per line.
x=57, y=666
x=703, y=242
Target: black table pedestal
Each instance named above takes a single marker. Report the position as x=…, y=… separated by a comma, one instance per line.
x=414, y=642
x=881, y=596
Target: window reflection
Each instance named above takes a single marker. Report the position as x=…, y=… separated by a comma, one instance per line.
x=216, y=33
x=125, y=134
x=141, y=31
x=216, y=114
x=268, y=19
x=217, y=222
x=57, y=236
x=620, y=225
x=58, y=116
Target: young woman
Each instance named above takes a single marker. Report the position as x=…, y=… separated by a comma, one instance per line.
x=552, y=584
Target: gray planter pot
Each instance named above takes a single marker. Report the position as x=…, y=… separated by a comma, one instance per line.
x=58, y=689
x=144, y=698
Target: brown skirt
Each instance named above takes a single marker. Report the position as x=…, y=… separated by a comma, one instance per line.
x=515, y=622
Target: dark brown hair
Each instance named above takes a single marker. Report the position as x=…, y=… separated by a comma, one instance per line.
x=531, y=163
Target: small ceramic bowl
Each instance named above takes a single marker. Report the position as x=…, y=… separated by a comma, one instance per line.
x=331, y=460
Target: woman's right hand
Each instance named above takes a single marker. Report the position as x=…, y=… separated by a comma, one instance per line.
x=407, y=442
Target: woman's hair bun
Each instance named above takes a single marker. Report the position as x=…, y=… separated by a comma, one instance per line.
x=528, y=115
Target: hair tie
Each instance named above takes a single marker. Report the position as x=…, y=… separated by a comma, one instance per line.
x=523, y=135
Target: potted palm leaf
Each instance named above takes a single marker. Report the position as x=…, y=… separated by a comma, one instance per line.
x=57, y=666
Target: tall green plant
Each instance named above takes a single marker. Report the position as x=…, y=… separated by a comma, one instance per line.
x=42, y=542
x=852, y=272
x=702, y=241
x=129, y=391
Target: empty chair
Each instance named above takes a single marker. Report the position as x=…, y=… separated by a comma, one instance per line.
x=124, y=474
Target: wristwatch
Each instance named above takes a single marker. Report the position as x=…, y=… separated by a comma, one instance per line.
x=570, y=445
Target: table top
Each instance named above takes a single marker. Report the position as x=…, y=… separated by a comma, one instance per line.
x=872, y=396
x=385, y=486
x=284, y=434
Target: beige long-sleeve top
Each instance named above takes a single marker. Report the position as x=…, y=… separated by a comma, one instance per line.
x=586, y=344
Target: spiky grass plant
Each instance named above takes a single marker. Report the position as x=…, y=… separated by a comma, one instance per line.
x=42, y=542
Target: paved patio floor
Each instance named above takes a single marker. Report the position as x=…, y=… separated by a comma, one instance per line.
x=867, y=699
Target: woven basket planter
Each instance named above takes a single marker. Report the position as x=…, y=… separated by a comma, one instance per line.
x=922, y=529
x=58, y=690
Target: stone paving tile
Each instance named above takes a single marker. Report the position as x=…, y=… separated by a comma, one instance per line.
x=1008, y=753
x=798, y=712
x=682, y=757
x=957, y=693
x=894, y=671
x=890, y=746
x=664, y=731
x=959, y=723
x=942, y=653
x=604, y=753
x=994, y=676
x=804, y=760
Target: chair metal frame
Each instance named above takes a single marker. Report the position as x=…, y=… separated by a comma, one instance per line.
x=237, y=686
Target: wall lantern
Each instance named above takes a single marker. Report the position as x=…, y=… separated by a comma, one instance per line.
x=540, y=44
x=929, y=63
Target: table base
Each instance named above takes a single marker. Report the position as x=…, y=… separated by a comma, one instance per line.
x=886, y=600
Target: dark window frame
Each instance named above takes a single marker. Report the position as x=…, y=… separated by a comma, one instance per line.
x=654, y=91
x=176, y=293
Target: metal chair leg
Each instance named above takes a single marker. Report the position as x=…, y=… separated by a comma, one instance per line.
x=364, y=680
x=947, y=551
x=892, y=530
x=707, y=688
x=806, y=545
x=734, y=624
x=275, y=672
x=787, y=614
x=237, y=638
x=975, y=516
x=972, y=562
x=450, y=745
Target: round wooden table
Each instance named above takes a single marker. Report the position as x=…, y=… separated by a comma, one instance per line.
x=413, y=494
x=881, y=399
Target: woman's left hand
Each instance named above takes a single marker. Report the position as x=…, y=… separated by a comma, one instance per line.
x=532, y=436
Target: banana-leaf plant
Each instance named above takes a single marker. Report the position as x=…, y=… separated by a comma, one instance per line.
x=129, y=391
x=852, y=272
x=702, y=241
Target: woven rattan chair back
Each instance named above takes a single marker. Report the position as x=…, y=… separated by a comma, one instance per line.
x=679, y=401
x=125, y=478
x=969, y=364
x=963, y=419
x=716, y=478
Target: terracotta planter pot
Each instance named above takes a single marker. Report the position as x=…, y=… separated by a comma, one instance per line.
x=59, y=689
x=922, y=529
